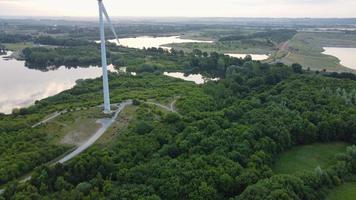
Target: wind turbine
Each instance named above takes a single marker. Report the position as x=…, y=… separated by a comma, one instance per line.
x=104, y=63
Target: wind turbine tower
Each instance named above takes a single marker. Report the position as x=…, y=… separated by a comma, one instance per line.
x=104, y=63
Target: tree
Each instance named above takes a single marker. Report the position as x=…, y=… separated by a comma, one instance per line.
x=84, y=187
x=297, y=68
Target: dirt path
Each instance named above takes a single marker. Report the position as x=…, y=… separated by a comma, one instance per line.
x=105, y=124
x=282, y=52
x=170, y=108
x=53, y=116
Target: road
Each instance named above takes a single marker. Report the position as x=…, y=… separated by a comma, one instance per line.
x=105, y=124
x=283, y=51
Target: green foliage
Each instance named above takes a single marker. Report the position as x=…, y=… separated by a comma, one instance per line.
x=221, y=145
x=14, y=38
x=155, y=59
x=23, y=148
x=143, y=127
x=56, y=41
x=308, y=157
x=42, y=58
x=277, y=36
x=346, y=191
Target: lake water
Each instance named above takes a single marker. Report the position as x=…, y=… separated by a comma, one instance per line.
x=21, y=86
x=254, y=56
x=196, y=78
x=149, y=42
x=347, y=56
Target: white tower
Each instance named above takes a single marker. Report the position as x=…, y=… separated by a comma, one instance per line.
x=102, y=12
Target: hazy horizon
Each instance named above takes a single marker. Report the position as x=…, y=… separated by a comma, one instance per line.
x=182, y=8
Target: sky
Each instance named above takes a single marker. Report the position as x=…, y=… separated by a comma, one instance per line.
x=182, y=8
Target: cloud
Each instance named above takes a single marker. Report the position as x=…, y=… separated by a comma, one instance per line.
x=223, y=8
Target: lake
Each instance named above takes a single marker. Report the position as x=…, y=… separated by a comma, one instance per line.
x=163, y=42
x=347, y=56
x=196, y=78
x=21, y=86
x=149, y=42
x=254, y=56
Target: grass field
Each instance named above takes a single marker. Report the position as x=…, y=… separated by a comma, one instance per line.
x=74, y=127
x=306, y=49
x=17, y=46
x=308, y=157
x=125, y=117
x=226, y=47
x=347, y=191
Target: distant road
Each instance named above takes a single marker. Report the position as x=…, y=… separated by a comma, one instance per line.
x=283, y=50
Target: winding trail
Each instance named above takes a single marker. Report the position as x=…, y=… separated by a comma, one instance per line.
x=105, y=124
x=171, y=107
x=54, y=115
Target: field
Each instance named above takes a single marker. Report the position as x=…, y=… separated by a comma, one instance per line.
x=17, y=46
x=347, y=191
x=73, y=127
x=308, y=157
x=306, y=49
x=244, y=47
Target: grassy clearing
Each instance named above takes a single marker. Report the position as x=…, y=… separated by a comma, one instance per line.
x=128, y=115
x=226, y=47
x=18, y=46
x=347, y=191
x=308, y=157
x=119, y=126
x=74, y=127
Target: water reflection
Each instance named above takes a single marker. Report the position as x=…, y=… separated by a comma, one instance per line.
x=149, y=42
x=347, y=56
x=196, y=78
x=21, y=86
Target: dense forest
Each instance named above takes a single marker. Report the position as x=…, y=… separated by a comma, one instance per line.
x=221, y=144
x=56, y=41
x=44, y=58
x=14, y=38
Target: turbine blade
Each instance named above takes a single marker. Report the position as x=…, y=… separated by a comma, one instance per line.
x=109, y=21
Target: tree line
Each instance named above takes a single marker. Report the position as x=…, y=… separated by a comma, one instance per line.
x=277, y=36
x=221, y=145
